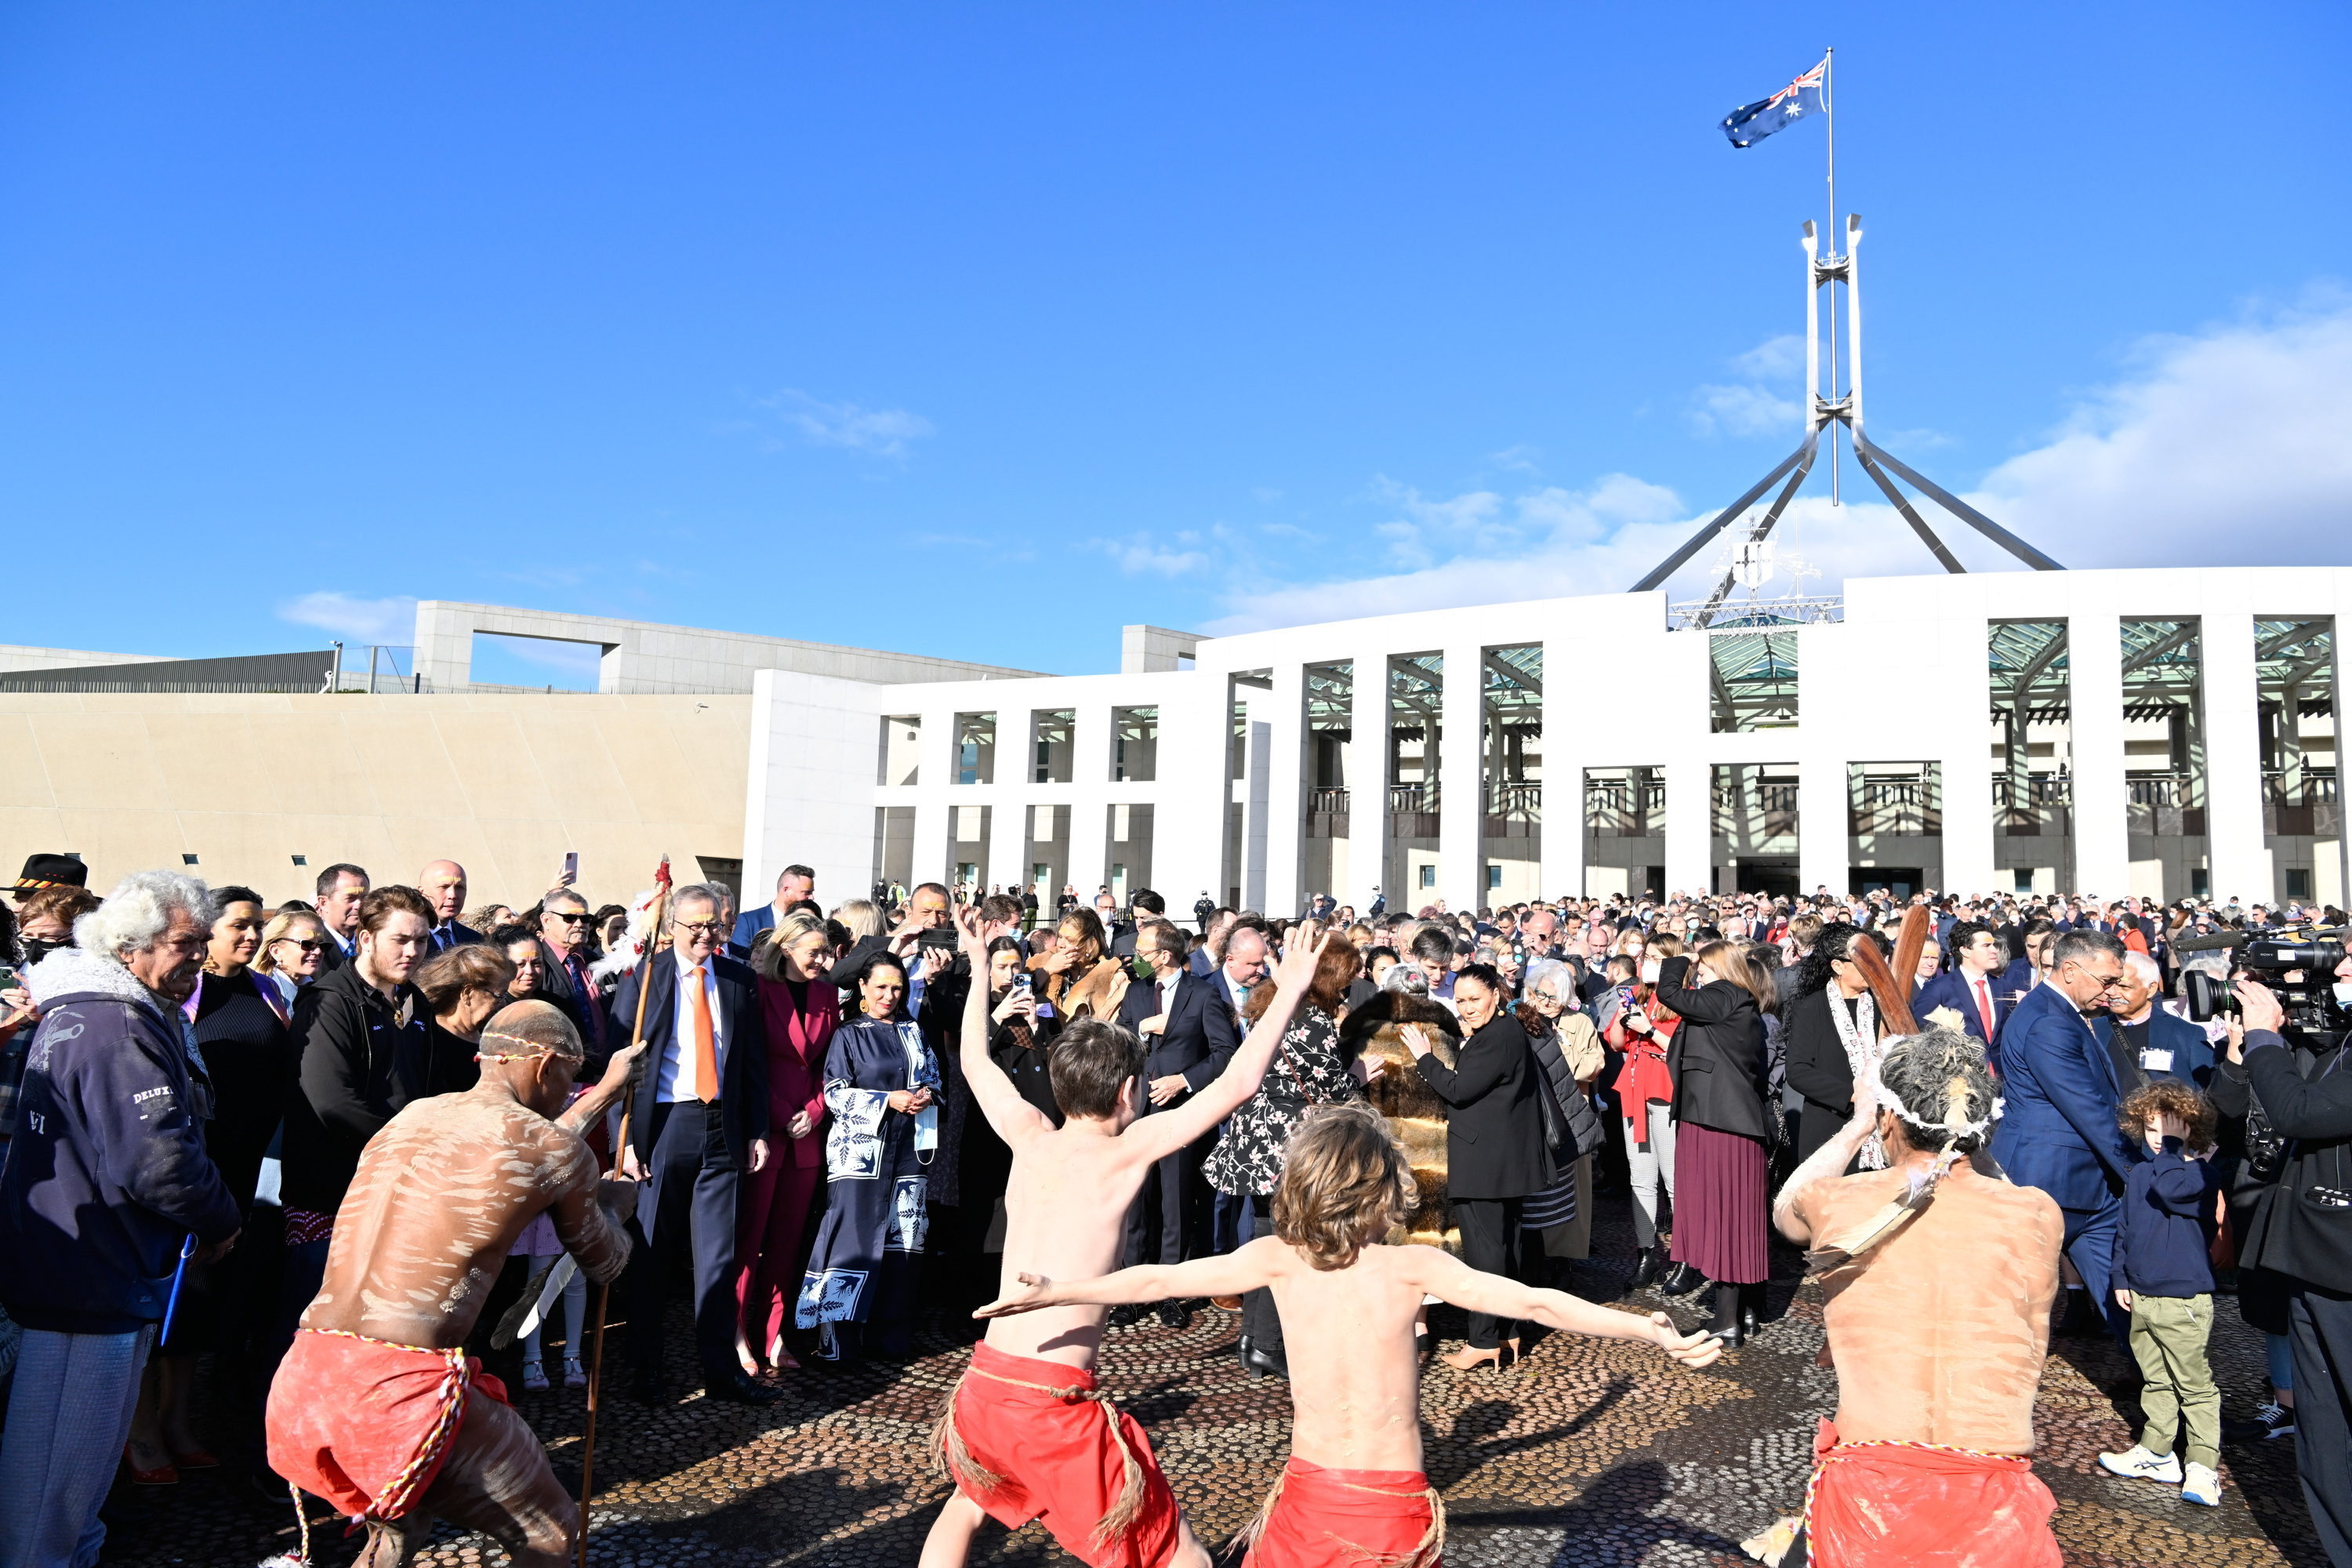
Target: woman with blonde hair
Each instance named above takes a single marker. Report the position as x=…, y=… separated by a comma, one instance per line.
x=293, y=951
x=802, y=1008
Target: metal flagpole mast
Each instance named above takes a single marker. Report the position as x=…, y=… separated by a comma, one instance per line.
x=1829, y=115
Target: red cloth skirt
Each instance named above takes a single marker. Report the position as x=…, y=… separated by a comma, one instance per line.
x=1871, y=1505
x=1719, y=1204
x=1323, y=1517
x=365, y=1424
x=1038, y=1428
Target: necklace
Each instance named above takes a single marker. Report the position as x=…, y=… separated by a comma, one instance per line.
x=1858, y=1033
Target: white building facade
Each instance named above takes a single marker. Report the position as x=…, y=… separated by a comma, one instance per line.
x=2160, y=733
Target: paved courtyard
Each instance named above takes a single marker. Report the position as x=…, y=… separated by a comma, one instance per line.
x=1586, y=1453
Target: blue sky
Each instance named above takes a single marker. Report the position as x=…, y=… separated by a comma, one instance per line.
x=981, y=331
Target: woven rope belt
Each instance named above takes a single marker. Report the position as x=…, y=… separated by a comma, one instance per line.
x=1426, y=1551
x=1820, y=1467
x=954, y=1460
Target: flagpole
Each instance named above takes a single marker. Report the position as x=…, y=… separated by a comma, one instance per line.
x=1828, y=114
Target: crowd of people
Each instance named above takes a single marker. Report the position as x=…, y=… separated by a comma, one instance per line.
x=823, y=1116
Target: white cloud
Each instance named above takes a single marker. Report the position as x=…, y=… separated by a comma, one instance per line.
x=1138, y=559
x=1774, y=359
x=883, y=431
x=391, y=621
x=2226, y=448
x=1768, y=398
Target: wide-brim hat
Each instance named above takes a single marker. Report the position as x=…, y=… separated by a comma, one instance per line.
x=51, y=871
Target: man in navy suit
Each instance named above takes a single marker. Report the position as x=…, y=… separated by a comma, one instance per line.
x=700, y=1125
x=2158, y=1044
x=1190, y=1032
x=443, y=883
x=794, y=883
x=1971, y=987
x=2059, y=1129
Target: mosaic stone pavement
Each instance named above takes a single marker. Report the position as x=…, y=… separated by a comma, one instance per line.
x=1588, y=1453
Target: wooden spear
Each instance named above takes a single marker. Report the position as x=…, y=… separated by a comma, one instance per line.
x=604, y=1291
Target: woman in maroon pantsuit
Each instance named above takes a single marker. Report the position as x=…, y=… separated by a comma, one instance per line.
x=801, y=1006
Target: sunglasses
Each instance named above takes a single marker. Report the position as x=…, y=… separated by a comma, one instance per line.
x=307, y=945
x=582, y=918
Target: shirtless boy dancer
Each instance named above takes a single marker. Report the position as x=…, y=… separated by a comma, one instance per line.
x=377, y=1408
x=1938, y=1320
x=1021, y=1436
x=1353, y=1491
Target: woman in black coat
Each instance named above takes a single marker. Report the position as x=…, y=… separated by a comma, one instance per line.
x=1720, y=1105
x=1821, y=1063
x=1494, y=1154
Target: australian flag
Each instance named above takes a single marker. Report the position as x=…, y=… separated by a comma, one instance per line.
x=1751, y=123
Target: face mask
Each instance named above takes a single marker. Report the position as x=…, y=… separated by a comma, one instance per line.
x=1141, y=967
x=1649, y=972
x=2344, y=992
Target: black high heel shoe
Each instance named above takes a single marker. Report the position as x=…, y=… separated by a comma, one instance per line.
x=1259, y=1363
x=1681, y=1281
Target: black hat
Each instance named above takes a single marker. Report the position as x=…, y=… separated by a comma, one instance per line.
x=51, y=871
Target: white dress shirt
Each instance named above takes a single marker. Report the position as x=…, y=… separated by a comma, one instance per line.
x=674, y=1080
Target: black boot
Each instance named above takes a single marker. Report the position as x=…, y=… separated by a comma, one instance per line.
x=1726, y=1324
x=1751, y=1306
x=1681, y=1281
x=1647, y=1264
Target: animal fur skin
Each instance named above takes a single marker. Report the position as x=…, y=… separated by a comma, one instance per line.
x=1416, y=1115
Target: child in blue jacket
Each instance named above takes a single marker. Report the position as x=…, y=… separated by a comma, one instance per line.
x=2163, y=1277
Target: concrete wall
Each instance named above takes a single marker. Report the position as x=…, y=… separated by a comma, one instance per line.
x=18, y=656
x=641, y=658
x=506, y=784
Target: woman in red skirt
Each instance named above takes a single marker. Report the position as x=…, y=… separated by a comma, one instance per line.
x=1717, y=1059
x=801, y=1005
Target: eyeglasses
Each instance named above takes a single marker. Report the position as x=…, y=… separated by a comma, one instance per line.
x=698, y=928
x=305, y=944
x=571, y=919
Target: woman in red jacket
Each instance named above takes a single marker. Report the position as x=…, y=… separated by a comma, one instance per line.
x=801, y=1006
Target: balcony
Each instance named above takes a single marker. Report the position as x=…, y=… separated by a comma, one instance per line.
x=2309, y=806
x=1619, y=810
x=1326, y=812
x=1514, y=809
x=2047, y=810
x=1412, y=810
x=1898, y=807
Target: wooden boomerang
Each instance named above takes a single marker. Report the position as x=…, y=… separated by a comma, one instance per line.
x=524, y=1317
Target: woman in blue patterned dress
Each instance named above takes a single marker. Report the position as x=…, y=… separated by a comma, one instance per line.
x=881, y=1084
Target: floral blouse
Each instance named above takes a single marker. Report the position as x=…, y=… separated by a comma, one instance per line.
x=1306, y=1070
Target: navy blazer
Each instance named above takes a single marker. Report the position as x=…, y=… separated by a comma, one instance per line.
x=743, y=1024
x=1202, y=1034
x=2192, y=1053
x=1951, y=989
x=2058, y=1130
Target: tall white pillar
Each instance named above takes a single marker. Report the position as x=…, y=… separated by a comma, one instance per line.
x=1690, y=827
x=1461, y=777
x=934, y=794
x=1823, y=839
x=1258, y=761
x=1965, y=763
x=2233, y=760
x=1368, y=785
x=2102, y=798
x=1285, y=711
x=1090, y=753
x=1008, y=824
x=1188, y=823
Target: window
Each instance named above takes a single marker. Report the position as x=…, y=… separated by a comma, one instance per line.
x=2298, y=882
x=1428, y=876
x=187, y=860
x=1494, y=878
x=301, y=859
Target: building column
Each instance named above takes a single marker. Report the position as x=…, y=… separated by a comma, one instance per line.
x=1008, y=830
x=934, y=797
x=1824, y=838
x=2101, y=801
x=1367, y=786
x=1188, y=826
x=1090, y=750
x=1258, y=761
x=1690, y=827
x=2233, y=760
x=1461, y=780
x=1285, y=710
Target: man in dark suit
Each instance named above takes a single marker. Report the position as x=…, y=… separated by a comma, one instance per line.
x=1145, y=906
x=794, y=883
x=1971, y=987
x=1190, y=1032
x=340, y=888
x=700, y=1125
x=564, y=924
x=443, y=883
x=2059, y=1131
x=2154, y=1041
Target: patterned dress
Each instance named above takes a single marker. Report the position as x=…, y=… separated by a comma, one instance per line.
x=864, y=1264
x=1307, y=1070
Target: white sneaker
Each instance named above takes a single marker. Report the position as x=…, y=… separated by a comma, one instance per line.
x=535, y=1377
x=2204, y=1485
x=2138, y=1464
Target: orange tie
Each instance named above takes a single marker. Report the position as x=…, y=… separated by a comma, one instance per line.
x=706, y=1055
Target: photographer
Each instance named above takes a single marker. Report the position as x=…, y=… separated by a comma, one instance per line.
x=2302, y=1229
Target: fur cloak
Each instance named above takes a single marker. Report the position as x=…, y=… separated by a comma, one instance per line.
x=1416, y=1115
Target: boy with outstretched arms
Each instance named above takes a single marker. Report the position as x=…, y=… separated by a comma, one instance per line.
x=1025, y=1434
x=1354, y=1490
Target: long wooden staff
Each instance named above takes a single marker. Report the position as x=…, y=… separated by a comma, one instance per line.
x=604, y=1291
x=1891, y=989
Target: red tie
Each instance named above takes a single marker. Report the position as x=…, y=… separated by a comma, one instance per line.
x=1984, y=1005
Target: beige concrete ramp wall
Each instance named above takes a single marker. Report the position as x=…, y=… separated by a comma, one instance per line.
x=505, y=784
